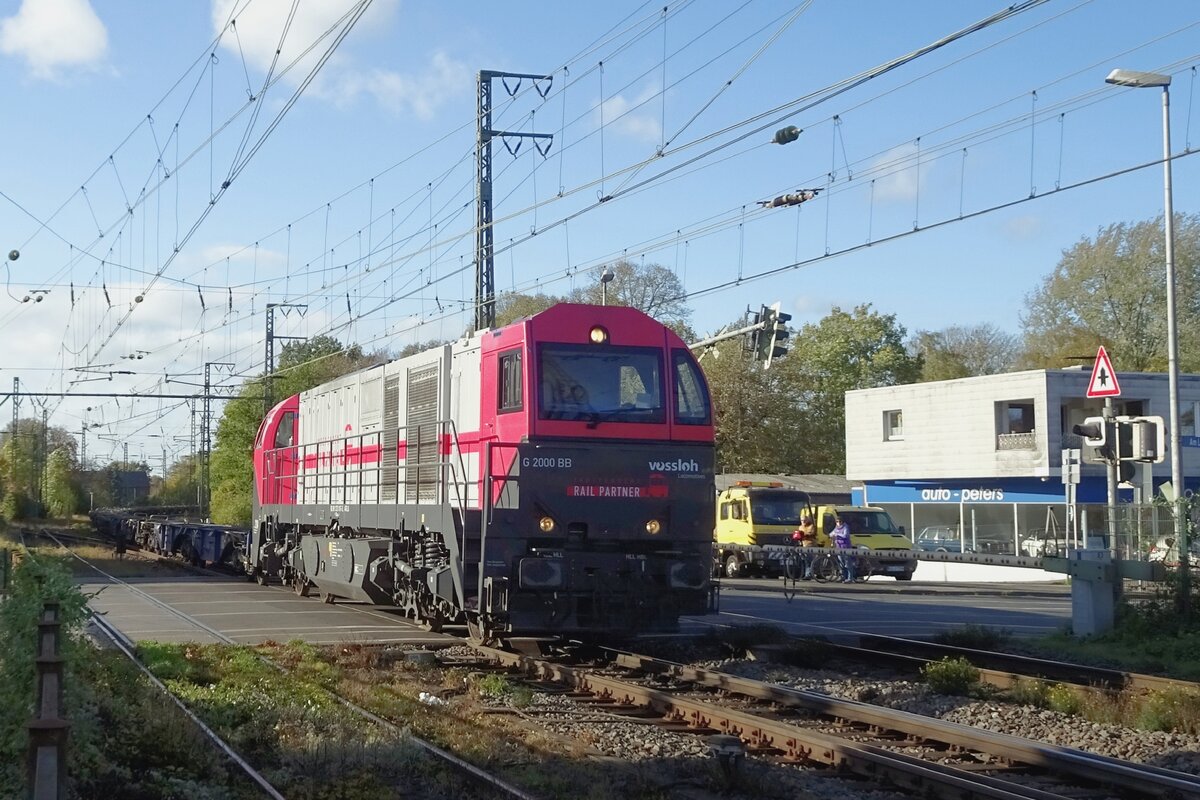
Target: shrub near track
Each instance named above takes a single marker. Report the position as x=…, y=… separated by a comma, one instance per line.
x=124, y=742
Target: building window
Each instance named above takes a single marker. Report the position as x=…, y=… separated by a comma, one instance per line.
x=893, y=426
x=1015, y=416
x=510, y=381
x=1015, y=425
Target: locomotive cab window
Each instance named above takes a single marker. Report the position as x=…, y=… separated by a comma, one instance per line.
x=692, y=406
x=509, y=373
x=600, y=384
x=284, y=433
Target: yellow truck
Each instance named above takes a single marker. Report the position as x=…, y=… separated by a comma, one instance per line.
x=872, y=528
x=755, y=521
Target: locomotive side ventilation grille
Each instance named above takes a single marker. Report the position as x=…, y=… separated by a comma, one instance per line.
x=391, y=438
x=421, y=473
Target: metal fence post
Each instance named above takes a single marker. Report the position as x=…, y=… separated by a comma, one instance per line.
x=47, y=760
x=5, y=570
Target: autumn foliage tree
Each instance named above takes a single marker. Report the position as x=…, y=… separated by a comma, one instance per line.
x=1111, y=290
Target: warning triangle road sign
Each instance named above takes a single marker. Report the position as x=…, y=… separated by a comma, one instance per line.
x=1104, y=378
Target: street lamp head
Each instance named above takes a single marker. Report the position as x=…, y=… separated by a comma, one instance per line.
x=1138, y=80
x=607, y=275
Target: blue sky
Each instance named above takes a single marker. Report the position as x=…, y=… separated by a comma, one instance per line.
x=372, y=168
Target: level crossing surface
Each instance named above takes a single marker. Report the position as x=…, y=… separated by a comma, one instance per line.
x=208, y=609
x=914, y=610
x=214, y=609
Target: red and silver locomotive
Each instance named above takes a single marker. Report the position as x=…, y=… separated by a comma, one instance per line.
x=551, y=476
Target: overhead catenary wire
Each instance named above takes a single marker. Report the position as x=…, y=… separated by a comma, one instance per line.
x=436, y=260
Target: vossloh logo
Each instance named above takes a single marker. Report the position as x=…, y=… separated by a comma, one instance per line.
x=679, y=465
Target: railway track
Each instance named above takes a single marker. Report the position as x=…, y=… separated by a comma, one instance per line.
x=1002, y=670
x=479, y=776
x=923, y=755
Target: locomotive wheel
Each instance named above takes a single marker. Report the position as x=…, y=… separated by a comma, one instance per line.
x=479, y=633
x=432, y=623
x=733, y=567
x=262, y=578
x=301, y=585
x=326, y=597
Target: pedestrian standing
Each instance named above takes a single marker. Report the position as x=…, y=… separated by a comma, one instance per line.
x=842, y=541
x=806, y=537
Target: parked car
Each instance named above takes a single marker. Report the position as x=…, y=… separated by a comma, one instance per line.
x=1037, y=546
x=1164, y=551
x=941, y=539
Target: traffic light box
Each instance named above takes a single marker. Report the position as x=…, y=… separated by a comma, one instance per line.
x=769, y=339
x=1147, y=439
x=1099, y=433
x=1125, y=438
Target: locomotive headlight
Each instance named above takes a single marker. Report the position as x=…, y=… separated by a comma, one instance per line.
x=598, y=335
x=653, y=527
x=546, y=524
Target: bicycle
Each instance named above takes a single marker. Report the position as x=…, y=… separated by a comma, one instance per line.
x=824, y=566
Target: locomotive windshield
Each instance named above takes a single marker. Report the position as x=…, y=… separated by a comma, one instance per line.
x=601, y=384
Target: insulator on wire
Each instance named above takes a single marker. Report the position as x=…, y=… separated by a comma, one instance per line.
x=786, y=135
x=801, y=196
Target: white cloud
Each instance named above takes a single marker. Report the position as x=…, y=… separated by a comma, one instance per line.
x=418, y=94
x=53, y=35
x=897, y=174
x=260, y=25
x=1023, y=227
x=620, y=116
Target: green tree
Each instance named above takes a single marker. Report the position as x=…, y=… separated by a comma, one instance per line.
x=964, y=351
x=756, y=423
x=1111, y=291
x=302, y=365
x=179, y=486
x=859, y=349
x=23, y=459
x=60, y=493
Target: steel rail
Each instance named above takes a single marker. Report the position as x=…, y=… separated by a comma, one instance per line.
x=458, y=763
x=1140, y=778
x=1019, y=665
x=799, y=743
x=123, y=644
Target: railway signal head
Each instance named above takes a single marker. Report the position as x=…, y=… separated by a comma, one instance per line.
x=770, y=337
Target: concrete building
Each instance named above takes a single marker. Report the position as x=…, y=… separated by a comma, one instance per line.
x=983, y=455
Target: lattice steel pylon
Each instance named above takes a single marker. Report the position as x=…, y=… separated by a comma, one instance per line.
x=485, y=275
x=269, y=355
x=206, y=438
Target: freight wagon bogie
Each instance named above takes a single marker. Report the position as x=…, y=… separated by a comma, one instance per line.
x=553, y=476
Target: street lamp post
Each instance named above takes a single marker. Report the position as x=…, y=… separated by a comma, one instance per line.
x=1141, y=80
x=605, y=278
